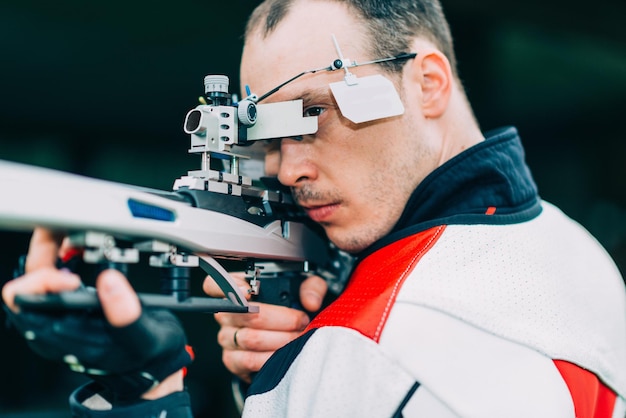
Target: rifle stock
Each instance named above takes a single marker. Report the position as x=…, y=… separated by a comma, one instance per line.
x=167, y=226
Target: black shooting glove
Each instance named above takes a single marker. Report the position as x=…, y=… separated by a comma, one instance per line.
x=126, y=361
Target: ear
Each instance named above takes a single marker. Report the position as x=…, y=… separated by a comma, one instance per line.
x=431, y=69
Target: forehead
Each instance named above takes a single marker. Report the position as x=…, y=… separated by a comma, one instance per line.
x=302, y=41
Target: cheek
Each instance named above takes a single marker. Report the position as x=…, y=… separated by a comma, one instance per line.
x=272, y=162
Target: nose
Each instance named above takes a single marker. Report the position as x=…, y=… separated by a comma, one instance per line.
x=296, y=164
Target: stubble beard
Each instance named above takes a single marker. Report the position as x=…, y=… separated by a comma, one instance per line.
x=350, y=241
x=378, y=220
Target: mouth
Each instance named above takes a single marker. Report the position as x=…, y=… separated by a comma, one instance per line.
x=321, y=213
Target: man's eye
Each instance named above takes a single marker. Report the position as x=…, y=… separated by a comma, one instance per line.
x=314, y=111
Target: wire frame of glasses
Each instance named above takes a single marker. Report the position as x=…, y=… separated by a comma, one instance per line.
x=337, y=65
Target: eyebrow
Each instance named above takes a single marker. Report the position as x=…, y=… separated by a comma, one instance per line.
x=275, y=89
x=313, y=95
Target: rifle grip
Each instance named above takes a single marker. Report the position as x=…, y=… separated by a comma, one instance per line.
x=281, y=289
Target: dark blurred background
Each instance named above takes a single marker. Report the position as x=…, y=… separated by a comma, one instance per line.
x=101, y=88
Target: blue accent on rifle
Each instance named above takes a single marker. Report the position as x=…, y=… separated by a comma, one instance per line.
x=145, y=210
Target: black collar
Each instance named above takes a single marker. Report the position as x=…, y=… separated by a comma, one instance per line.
x=489, y=183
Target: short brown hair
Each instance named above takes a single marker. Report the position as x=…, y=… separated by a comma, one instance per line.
x=391, y=25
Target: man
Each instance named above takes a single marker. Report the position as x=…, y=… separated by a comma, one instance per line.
x=471, y=296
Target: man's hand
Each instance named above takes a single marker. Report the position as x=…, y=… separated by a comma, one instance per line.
x=121, y=308
x=42, y=275
x=248, y=340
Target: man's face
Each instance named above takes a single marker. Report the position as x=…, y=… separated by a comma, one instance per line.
x=353, y=179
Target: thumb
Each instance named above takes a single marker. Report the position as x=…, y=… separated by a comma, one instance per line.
x=119, y=301
x=312, y=292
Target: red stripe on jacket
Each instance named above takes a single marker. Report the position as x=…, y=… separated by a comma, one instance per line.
x=372, y=290
x=592, y=399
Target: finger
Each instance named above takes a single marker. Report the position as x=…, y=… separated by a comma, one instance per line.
x=312, y=292
x=250, y=339
x=43, y=249
x=269, y=317
x=41, y=281
x=120, y=303
x=211, y=288
x=244, y=363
